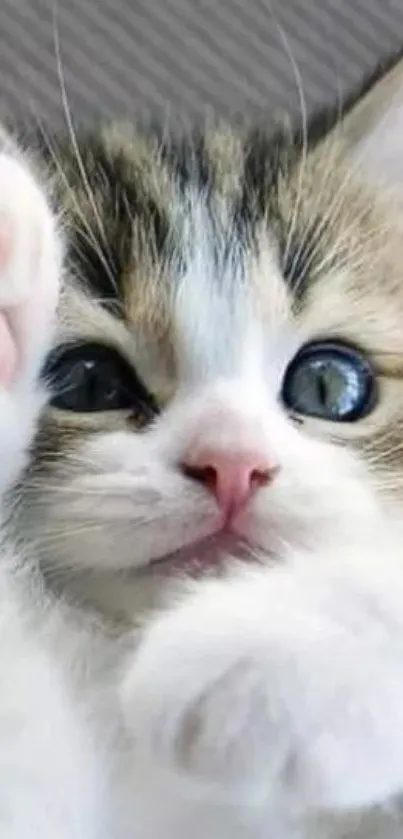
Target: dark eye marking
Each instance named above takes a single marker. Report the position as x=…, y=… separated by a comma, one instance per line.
x=91, y=377
x=330, y=381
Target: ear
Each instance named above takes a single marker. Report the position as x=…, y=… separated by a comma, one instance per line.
x=373, y=126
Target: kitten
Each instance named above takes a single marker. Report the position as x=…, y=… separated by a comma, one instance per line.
x=50, y=779
x=226, y=419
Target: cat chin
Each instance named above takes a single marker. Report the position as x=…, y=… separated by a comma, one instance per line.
x=207, y=556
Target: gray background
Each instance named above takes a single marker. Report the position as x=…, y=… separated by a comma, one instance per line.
x=119, y=57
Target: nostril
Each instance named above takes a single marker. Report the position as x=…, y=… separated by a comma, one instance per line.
x=210, y=476
x=206, y=475
x=231, y=479
x=261, y=477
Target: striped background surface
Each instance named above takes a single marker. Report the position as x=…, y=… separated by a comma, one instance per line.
x=122, y=56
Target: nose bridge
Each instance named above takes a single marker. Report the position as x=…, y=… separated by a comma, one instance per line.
x=214, y=314
x=228, y=417
x=216, y=342
x=226, y=424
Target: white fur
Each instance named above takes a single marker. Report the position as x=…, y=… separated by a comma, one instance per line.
x=50, y=783
x=267, y=704
x=279, y=694
x=270, y=703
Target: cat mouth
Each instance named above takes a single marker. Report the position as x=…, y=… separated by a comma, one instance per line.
x=209, y=555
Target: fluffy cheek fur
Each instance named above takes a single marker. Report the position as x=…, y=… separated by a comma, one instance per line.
x=132, y=505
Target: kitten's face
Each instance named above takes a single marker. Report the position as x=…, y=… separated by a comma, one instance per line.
x=229, y=369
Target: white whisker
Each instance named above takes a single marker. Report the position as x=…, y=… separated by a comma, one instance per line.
x=304, y=129
x=86, y=232
x=75, y=146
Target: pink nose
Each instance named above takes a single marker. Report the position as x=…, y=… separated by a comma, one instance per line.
x=232, y=478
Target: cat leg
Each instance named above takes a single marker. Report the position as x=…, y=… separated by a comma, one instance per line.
x=50, y=785
x=30, y=272
x=280, y=689
x=30, y=267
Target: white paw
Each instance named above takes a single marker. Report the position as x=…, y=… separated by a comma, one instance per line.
x=29, y=269
x=255, y=687
x=196, y=695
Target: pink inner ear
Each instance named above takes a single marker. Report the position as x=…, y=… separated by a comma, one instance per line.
x=8, y=352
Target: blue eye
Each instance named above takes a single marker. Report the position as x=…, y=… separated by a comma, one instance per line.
x=330, y=381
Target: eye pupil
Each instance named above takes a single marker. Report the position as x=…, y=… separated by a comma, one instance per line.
x=329, y=381
x=89, y=378
x=322, y=388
